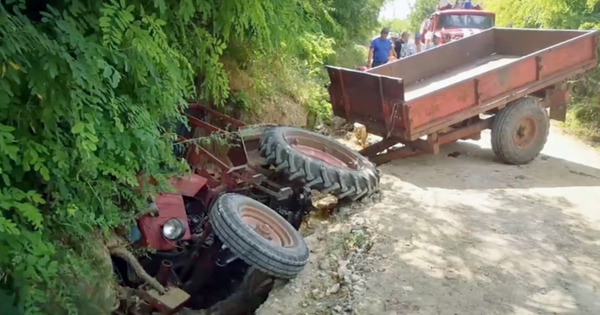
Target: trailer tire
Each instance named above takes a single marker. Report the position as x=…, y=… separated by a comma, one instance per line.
x=520, y=131
x=319, y=162
x=258, y=235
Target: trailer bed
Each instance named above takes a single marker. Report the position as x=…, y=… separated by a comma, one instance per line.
x=446, y=79
x=437, y=88
x=442, y=93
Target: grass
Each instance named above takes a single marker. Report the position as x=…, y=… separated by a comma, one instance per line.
x=357, y=240
x=585, y=130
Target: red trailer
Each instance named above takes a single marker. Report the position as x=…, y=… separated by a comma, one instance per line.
x=502, y=79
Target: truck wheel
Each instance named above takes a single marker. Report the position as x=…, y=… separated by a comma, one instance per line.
x=319, y=162
x=519, y=131
x=258, y=235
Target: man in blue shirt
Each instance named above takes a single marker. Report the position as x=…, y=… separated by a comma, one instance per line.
x=381, y=49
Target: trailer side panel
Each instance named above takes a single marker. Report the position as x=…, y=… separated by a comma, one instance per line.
x=454, y=82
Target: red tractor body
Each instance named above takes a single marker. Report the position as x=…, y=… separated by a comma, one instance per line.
x=170, y=206
x=185, y=265
x=236, y=213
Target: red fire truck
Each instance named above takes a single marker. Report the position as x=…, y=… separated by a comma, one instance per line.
x=455, y=21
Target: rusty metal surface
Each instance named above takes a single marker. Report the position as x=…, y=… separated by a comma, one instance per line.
x=164, y=272
x=470, y=70
x=440, y=59
x=222, y=117
x=542, y=58
x=373, y=149
x=198, y=123
x=514, y=79
x=169, y=206
x=399, y=153
x=235, y=168
x=267, y=226
x=527, y=131
x=439, y=105
x=497, y=102
x=373, y=109
x=189, y=185
x=167, y=303
x=465, y=132
x=523, y=42
x=418, y=147
x=556, y=99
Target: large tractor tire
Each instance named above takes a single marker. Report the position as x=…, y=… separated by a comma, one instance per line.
x=319, y=162
x=258, y=235
x=520, y=131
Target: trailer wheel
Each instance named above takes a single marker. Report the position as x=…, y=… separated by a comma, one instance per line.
x=319, y=162
x=258, y=235
x=520, y=131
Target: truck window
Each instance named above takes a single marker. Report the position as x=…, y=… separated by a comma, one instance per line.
x=465, y=21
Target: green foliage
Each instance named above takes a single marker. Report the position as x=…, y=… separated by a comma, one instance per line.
x=316, y=49
x=356, y=19
x=356, y=22
x=9, y=302
x=584, y=115
x=421, y=10
x=326, y=33
x=84, y=94
x=397, y=25
x=350, y=56
x=274, y=80
x=545, y=13
x=88, y=92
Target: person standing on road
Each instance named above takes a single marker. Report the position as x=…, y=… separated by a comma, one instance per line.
x=418, y=43
x=435, y=42
x=380, y=51
x=397, y=41
x=408, y=48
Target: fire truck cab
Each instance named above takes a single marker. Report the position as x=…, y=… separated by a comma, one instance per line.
x=452, y=22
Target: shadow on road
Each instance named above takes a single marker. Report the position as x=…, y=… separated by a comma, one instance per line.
x=524, y=254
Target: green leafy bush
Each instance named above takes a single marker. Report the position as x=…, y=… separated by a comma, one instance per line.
x=88, y=92
x=84, y=94
x=422, y=10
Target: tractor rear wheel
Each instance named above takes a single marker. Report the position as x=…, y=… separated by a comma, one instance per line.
x=520, y=131
x=319, y=162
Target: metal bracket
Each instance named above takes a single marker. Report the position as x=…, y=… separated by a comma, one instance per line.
x=539, y=67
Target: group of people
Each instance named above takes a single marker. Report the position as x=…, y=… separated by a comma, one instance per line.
x=382, y=49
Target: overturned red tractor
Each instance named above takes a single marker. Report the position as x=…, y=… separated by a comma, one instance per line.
x=237, y=212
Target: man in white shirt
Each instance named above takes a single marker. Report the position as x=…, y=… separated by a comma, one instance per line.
x=434, y=42
x=408, y=48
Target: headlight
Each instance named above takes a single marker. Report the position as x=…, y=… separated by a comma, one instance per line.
x=173, y=229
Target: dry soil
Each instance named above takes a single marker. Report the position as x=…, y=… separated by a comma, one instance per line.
x=460, y=233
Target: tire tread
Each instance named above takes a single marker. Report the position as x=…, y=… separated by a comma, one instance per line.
x=315, y=174
x=224, y=218
x=503, y=126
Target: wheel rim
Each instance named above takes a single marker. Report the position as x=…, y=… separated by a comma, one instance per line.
x=525, y=132
x=323, y=150
x=265, y=225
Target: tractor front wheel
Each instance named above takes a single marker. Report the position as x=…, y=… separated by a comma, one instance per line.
x=258, y=235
